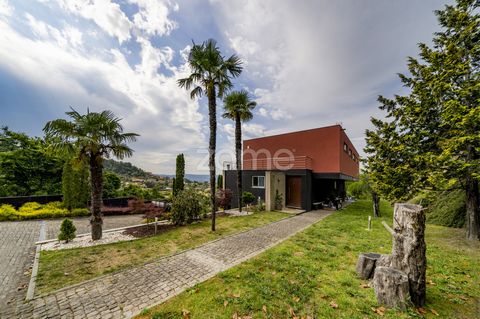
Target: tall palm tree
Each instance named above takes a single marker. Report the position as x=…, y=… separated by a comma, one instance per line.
x=238, y=107
x=91, y=137
x=211, y=75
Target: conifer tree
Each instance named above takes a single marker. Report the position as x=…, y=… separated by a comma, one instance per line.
x=430, y=139
x=179, y=181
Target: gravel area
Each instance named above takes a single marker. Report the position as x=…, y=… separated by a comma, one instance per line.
x=86, y=241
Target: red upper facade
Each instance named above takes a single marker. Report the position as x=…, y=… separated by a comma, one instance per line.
x=322, y=150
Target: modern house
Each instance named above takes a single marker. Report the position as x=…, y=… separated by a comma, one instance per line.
x=300, y=168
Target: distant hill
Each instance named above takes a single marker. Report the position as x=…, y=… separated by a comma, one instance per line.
x=125, y=169
x=192, y=177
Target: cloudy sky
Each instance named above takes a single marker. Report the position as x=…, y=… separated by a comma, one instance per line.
x=306, y=63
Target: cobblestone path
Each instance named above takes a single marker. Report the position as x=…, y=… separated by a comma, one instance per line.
x=17, y=250
x=126, y=293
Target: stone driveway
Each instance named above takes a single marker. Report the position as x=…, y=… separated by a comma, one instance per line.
x=124, y=294
x=17, y=251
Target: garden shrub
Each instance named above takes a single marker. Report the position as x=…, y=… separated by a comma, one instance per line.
x=248, y=198
x=30, y=207
x=223, y=198
x=67, y=230
x=8, y=212
x=33, y=210
x=186, y=207
x=448, y=209
x=260, y=207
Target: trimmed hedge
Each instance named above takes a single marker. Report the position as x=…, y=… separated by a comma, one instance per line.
x=33, y=210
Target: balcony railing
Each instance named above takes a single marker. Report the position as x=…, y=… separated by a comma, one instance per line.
x=278, y=163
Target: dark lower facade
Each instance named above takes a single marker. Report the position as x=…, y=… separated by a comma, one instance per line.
x=296, y=188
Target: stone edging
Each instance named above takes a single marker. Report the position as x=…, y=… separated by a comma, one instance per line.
x=36, y=262
x=160, y=258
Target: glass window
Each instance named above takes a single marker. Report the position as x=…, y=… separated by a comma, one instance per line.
x=350, y=152
x=258, y=181
x=345, y=147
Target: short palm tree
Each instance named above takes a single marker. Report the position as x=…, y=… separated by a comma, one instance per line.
x=91, y=138
x=238, y=107
x=211, y=75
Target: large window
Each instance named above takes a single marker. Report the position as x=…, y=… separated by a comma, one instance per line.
x=258, y=181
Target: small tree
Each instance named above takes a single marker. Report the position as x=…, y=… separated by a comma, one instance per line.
x=224, y=197
x=220, y=182
x=67, y=230
x=248, y=198
x=179, y=181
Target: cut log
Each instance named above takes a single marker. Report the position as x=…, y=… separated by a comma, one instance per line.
x=408, y=252
x=384, y=261
x=391, y=287
x=366, y=265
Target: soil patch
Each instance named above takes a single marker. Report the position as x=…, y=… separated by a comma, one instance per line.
x=147, y=230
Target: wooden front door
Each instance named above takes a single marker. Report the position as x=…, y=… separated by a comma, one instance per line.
x=294, y=191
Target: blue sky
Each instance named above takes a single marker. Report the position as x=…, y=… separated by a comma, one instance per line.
x=306, y=63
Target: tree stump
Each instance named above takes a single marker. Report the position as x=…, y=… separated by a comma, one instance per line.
x=391, y=287
x=408, y=252
x=366, y=265
x=384, y=261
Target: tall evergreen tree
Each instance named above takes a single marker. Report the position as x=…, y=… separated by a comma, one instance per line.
x=75, y=188
x=211, y=75
x=68, y=185
x=431, y=138
x=238, y=107
x=179, y=175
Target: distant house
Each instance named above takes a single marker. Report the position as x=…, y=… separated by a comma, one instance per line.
x=302, y=168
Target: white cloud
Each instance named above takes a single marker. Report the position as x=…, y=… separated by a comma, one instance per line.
x=322, y=62
x=150, y=104
x=5, y=8
x=106, y=14
x=69, y=36
x=152, y=16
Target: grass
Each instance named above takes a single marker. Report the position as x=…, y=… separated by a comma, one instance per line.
x=312, y=275
x=66, y=267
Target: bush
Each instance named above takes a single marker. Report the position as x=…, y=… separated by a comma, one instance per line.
x=260, y=207
x=33, y=210
x=186, y=207
x=8, y=212
x=67, y=230
x=448, y=209
x=248, y=198
x=223, y=197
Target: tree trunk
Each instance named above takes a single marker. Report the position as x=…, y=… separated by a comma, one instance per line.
x=376, y=204
x=472, y=195
x=408, y=252
x=366, y=265
x=238, y=154
x=96, y=180
x=212, y=113
x=391, y=287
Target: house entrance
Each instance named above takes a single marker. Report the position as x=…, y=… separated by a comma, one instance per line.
x=294, y=191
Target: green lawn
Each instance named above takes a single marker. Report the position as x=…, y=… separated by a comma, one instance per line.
x=66, y=267
x=312, y=275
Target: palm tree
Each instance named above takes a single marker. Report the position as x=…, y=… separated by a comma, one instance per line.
x=91, y=137
x=238, y=107
x=211, y=75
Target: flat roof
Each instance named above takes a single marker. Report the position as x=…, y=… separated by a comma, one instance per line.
x=307, y=130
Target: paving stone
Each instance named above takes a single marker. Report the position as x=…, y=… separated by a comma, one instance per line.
x=126, y=293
